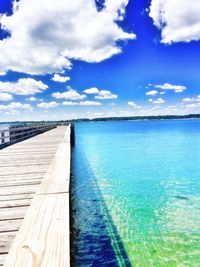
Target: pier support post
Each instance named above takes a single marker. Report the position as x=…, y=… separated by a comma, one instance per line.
x=72, y=135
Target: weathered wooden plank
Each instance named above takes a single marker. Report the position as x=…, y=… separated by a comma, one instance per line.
x=42, y=142
x=20, y=182
x=47, y=144
x=18, y=163
x=17, y=197
x=12, y=213
x=43, y=238
x=24, y=170
x=4, y=160
x=10, y=225
x=21, y=154
x=2, y=259
x=6, y=241
x=19, y=151
x=37, y=150
x=6, y=191
x=17, y=187
x=22, y=176
x=14, y=156
x=15, y=203
x=56, y=180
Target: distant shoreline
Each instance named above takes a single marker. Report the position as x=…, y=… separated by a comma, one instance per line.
x=129, y=118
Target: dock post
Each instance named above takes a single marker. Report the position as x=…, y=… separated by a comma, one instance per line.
x=72, y=135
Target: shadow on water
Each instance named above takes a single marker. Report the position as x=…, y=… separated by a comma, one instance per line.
x=94, y=237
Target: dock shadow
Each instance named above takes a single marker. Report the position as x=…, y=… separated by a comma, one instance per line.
x=95, y=240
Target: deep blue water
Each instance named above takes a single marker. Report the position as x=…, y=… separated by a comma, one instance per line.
x=136, y=193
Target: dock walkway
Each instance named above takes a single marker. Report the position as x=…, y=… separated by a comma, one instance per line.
x=34, y=201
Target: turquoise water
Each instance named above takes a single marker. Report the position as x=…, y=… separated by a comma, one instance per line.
x=136, y=194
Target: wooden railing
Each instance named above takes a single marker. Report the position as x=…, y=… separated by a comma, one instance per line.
x=15, y=134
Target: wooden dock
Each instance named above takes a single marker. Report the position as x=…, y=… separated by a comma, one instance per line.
x=34, y=201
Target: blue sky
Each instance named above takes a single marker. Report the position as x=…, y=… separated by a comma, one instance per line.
x=127, y=58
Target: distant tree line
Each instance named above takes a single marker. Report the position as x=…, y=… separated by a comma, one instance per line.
x=155, y=117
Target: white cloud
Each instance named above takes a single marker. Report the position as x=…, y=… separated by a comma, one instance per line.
x=12, y=112
x=193, y=105
x=91, y=91
x=45, y=37
x=168, y=86
x=178, y=20
x=16, y=105
x=69, y=103
x=60, y=79
x=158, y=101
x=105, y=94
x=32, y=99
x=47, y=105
x=81, y=103
x=191, y=99
x=5, y=97
x=152, y=92
x=116, y=8
x=188, y=99
x=89, y=103
x=100, y=94
x=71, y=94
x=133, y=104
x=98, y=114
x=24, y=86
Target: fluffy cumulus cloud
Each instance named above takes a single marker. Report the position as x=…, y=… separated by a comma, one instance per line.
x=91, y=91
x=70, y=103
x=152, y=92
x=105, y=94
x=81, y=103
x=62, y=30
x=191, y=103
x=5, y=97
x=100, y=94
x=191, y=99
x=16, y=105
x=168, y=86
x=60, y=79
x=158, y=101
x=32, y=99
x=47, y=105
x=24, y=86
x=70, y=94
x=179, y=20
x=12, y=112
x=89, y=103
x=133, y=105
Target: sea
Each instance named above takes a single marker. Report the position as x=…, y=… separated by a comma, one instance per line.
x=4, y=126
x=135, y=188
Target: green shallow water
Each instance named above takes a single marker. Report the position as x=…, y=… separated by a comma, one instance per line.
x=145, y=177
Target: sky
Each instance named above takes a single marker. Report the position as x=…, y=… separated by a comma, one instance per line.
x=62, y=59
